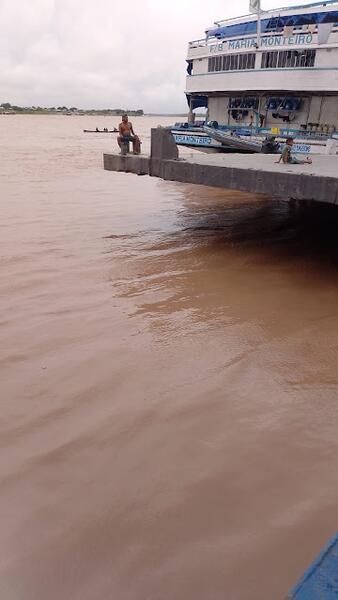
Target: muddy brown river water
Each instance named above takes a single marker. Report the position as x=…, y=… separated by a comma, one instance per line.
x=169, y=387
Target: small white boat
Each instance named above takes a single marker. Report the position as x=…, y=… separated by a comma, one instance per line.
x=234, y=142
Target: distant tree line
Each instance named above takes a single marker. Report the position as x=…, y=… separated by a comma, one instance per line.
x=6, y=106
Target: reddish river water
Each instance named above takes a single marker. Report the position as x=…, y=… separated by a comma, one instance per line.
x=169, y=391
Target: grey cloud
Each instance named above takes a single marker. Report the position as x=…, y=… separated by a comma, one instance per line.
x=102, y=53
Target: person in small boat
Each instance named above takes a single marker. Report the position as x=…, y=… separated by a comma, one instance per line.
x=97, y=130
x=286, y=157
x=126, y=132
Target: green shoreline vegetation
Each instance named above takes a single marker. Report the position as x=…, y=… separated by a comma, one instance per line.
x=8, y=109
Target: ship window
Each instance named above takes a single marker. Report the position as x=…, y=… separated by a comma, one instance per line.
x=243, y=61
x=251, y=61
x=274, y=24
x=243, y=103
x=226, y=62
x=218, y=63
x=232, y=62
x=288, y=59
x=310, y=57
x=281, y=59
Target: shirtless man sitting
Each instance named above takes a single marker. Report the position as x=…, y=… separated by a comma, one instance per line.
x=126, y=131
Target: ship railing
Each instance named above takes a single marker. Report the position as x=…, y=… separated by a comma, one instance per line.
x=283, y=132
x=303, y=134
x=235, y=20
x=198, y=43
x=278, y=132
x=277, y=11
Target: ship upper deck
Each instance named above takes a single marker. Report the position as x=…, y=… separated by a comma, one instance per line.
x=302, y=39
x=299, y=19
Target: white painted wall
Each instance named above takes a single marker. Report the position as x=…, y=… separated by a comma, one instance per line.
x=327, y=57
x=218, y=109
x=329, y=111
x=315, y=109
x=310, y=80
x=200, y=65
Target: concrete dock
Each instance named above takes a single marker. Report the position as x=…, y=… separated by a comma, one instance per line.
x=256, y=173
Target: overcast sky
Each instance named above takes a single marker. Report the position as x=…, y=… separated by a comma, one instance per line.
x=104, y=53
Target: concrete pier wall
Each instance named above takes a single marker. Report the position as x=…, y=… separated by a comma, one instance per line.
x=251, y=173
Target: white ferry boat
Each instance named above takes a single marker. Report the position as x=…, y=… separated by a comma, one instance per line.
x=266, y=73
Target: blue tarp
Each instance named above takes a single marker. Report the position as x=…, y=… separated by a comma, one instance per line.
x=320, y=581
x=273, y=24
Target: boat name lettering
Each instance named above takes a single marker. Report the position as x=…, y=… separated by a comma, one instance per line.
x=266, y=42
x=301, y=148
x=192, y=139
